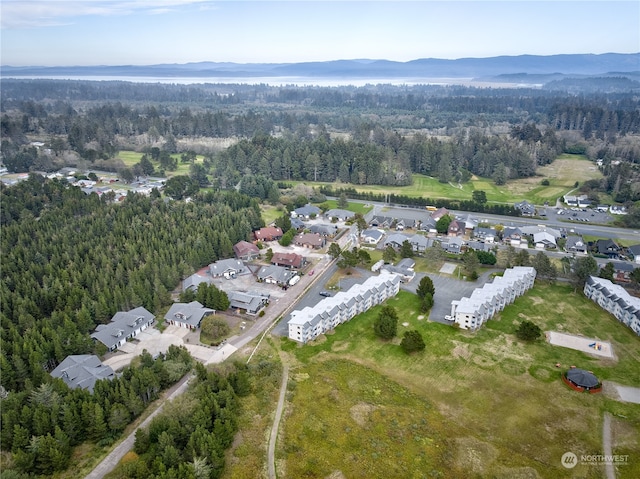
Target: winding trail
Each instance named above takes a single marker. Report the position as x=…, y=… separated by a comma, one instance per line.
x=606, y=446
x=271, y=454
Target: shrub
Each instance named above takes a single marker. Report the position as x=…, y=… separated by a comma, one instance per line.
x=412, y=341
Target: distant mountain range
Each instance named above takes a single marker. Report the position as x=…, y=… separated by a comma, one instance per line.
x=505, y=67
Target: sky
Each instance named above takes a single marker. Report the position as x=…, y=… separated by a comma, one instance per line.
x=146, y=32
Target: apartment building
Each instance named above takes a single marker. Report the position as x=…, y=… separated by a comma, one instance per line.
x=614, y=299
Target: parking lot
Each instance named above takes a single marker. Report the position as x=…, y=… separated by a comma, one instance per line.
x=583, y=215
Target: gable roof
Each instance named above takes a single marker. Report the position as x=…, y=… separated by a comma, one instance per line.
x=188, y=313
x=277, y=273
x=292, y=260
x=82, y=371
x=248, y=301
x=340, y=214
x=193, y=281
x=245, y=249
x=312, y=239
x=322, y=229
x=372, y=233
x=307, y=210
x=122, y=325
x=226, y=265
x=268, y=233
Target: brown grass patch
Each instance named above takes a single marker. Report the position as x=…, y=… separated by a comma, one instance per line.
x=361, y=413
x=474, y=455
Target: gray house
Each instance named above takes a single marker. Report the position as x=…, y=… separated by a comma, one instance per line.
x=306, y=211
x=228, y=268
x=123, y=326
x=82, y=371
x=249, y=302
x=341, y=215
x=278, y=275
x=187, y=315
x=192, y=282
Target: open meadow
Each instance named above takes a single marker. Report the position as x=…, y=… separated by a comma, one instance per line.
x=130, y=158
x=562, y=175
x=479, y=404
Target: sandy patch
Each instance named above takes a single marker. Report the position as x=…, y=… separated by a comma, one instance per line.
x=536, y=300
x=580, y=343
x=405, y=324
x=461, y=350
x=421, y=317
x=361, y=413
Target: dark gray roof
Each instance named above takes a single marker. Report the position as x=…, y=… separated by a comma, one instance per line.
x=188, y=313
x=82, y=371
x=122, y=325
x=583, y=378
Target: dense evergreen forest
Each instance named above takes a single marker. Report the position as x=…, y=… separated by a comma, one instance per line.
x=71, y=261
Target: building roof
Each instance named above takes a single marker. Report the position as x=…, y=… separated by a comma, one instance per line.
x=122, y=325
x=188, y=313
x=226, y=265
x=291, y=260
x=193, y=281
x=396, y=239
x=307, y=210
x=82, y=371
x=268, y=233
x=582, y=378
x=323, y=229
x=277, y=273
x=373, y=234
x=244, y=248
x=340, y=214
x=312, y=239
x=247, y=300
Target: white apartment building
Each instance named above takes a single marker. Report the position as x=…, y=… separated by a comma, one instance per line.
x=614, y=299
x=484, y=303
x=308, y=323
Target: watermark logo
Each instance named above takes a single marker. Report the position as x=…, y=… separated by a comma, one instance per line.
x=569, y=460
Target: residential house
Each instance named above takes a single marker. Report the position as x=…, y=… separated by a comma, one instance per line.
x=618, y=210
x=297, y=224
x=268, y=233
x=452, y=245
x=616, y=300
x=472, y=312
x=339, y=215
x=123, y=326
x=288, y=260
x=456, y=228
x=402, y=224
x=307, y=324
x=187, y=315
x=82, y=371
x=479, y=246
x=420, y=243
x=575, y=244
x=309, y=240
x=470, y=222
x=246, y=251
x=634, y=252
x=371, y=236
x=525, y=208
x=429, y=225
x=307, y=211
x=192, y=282
x=381, y=222
x=227, y=268
x=395, y=240
x=544, y=240
x=249, y=302
x=488, y=235
x=512, y=236
x=608, y=247
x=439, y=213
x=278, y=275
x=404, y=269
x=328, y=231
x=579, y=201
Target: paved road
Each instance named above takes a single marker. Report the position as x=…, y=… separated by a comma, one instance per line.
x=111, y=461
x=271, y=455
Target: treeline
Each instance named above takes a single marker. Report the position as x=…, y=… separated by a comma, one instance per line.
x=463, y=205
x=71, y=261
x=41, y=424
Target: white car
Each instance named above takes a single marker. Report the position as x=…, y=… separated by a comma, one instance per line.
x=448, y=317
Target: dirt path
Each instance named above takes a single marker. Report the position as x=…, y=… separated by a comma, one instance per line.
x=271, y=454
x=606, y=446
x=110, y=462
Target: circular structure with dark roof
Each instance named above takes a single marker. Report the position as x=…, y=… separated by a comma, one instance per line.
x=582, y=380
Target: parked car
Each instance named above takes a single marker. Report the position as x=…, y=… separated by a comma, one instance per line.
x=448, y=317
x=326, y=294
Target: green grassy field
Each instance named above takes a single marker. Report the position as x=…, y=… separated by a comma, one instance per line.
x=130, y=158
x=562, y=175
x=470, y=405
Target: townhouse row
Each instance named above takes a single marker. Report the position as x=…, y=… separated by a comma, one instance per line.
x=484, y=303
x=614, y=299
x=309, y=323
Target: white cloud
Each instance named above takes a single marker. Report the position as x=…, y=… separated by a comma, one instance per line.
x=21, y=14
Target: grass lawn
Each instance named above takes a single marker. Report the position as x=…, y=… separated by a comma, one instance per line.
x=470, y=405
x=562, y=174
x=355, y=207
